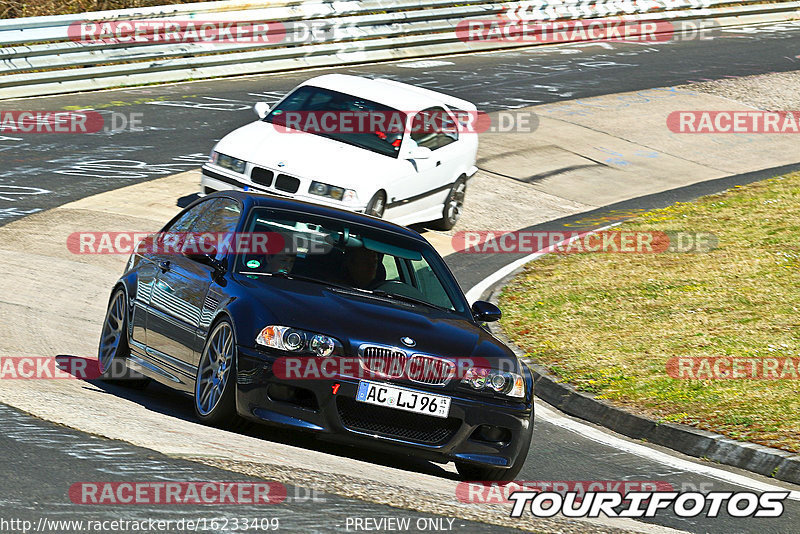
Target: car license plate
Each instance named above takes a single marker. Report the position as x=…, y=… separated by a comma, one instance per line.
x=403, y=399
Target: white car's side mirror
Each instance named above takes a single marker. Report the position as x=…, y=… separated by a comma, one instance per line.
x=419, y=152
x=261, y=109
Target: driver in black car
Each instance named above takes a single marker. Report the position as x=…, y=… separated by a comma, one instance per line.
x=362, y=268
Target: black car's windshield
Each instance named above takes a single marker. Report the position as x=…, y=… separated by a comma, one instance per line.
x=346, y=118
x=348, y=256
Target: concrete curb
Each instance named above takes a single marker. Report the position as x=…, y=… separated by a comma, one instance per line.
x=767, y=461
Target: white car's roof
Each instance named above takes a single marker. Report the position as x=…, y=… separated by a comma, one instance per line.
x=397, y=95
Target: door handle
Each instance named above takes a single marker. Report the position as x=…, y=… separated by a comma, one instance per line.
x=164, y=266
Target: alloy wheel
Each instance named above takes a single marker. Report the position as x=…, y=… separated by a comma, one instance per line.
x=215, y=367
x=113, y=330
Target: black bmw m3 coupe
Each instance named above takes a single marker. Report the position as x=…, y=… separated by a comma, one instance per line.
x=321, y=320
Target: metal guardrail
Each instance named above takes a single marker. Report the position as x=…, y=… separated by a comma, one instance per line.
x=41, y=56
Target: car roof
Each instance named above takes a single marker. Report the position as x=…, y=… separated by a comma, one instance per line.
x=250, y=199
x=397, y=95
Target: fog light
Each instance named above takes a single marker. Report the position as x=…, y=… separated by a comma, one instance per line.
x=493, y=434
x=321, y=345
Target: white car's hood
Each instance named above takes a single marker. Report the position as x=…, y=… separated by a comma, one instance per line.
x=308, y=155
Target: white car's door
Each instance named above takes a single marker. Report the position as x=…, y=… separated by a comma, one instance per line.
x=420, y=195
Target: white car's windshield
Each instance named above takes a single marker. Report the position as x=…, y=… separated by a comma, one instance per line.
x=346, y=118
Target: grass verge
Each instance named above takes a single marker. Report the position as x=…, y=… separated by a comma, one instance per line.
x=610, y=323
x=10, y=9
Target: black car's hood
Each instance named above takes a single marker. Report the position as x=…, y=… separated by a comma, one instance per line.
x=355, y=318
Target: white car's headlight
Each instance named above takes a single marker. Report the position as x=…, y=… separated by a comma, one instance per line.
x=227, y=162
x=331, y=191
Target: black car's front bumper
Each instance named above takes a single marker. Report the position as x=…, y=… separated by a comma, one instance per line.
x=478, y=430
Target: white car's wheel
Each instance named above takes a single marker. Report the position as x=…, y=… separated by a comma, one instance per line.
x=453, y=205
x=377, y=205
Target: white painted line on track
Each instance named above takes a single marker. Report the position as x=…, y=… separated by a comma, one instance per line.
x=478, y=289
x=554, y=417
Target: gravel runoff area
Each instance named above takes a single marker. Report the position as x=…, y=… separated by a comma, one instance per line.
x=486, y=189
x=777, y=91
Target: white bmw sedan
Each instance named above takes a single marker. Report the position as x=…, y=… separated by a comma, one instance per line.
x=374, y=146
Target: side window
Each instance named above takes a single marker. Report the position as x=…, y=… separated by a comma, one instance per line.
x=185, y=221
x=390, y=264
x=222, y=216
x=429, y=284
x=434, y=128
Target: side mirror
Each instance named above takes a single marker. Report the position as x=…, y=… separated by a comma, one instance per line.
x=419, y=152
x=214, y=263
x=486, y=312
x=210, y=260
x=261, y=109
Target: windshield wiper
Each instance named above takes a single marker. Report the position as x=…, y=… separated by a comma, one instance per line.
x=288, y=276
x=404, y=298
x=349, y=289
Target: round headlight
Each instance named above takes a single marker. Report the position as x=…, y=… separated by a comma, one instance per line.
x=319, y=189
x=237, y=165
x=498, y=382
x=294, y=340
x=321, y=345
x=478, y=381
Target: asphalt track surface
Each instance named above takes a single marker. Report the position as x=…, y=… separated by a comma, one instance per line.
x=40, y=496
x=180, y=124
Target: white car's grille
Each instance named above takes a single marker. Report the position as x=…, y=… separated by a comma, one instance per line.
x=262, y=176
x=287, y=183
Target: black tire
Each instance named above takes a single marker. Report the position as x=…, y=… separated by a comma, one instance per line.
x=377, y=205
x=215, y=383
x=113, y=349
x=472, y=472
x=453, y=205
